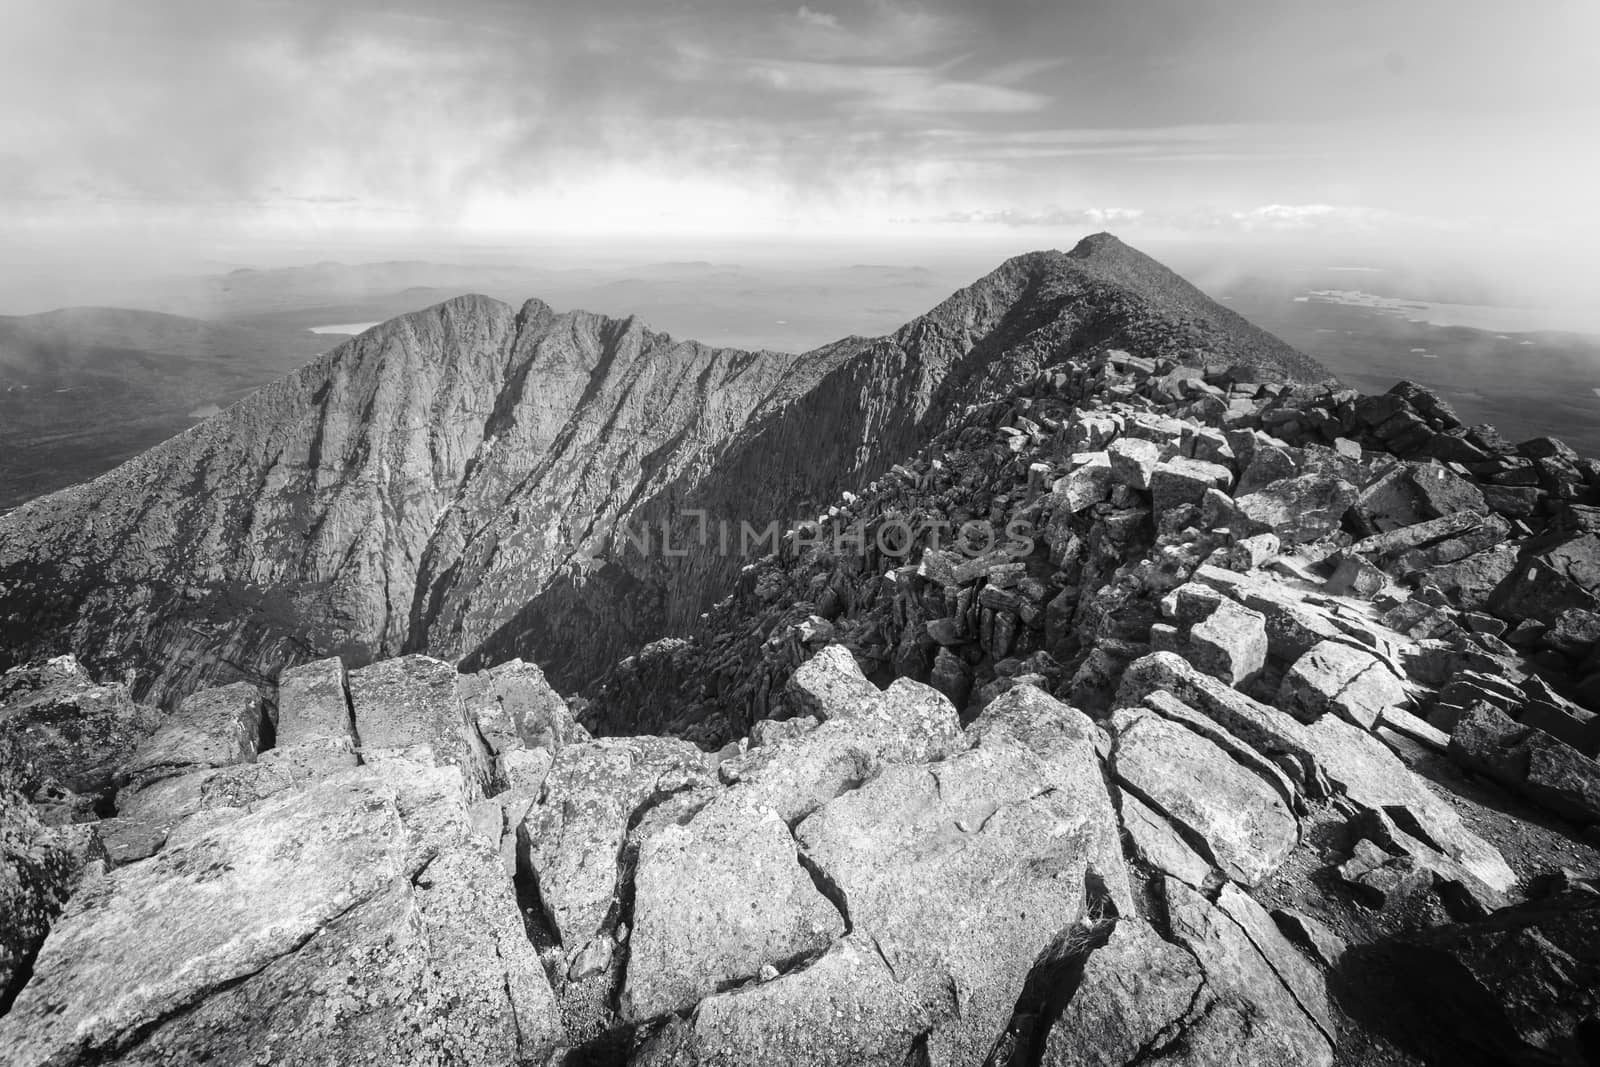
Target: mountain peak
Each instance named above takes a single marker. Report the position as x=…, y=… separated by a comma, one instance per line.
x=1100, y=245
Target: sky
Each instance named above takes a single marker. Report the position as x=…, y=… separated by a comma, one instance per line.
x=1467, y=127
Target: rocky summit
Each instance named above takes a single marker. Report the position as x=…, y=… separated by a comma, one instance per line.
x=1119, y=690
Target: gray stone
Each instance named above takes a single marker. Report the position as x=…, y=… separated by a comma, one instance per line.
x=1244, y=823
x=1304, y=508
x=515, y=707
x=908, y=851
x=410, y=706
x=1158, y=845
x=364, y=894
x=1230, y=643
x=1177, y=481
x=574, y=837
x=1334, y=677
x=1253, y=1017
x=1297, y=973
x=1088, y=483
x=313, y=704
x=1312, y=935
x=211, y=728
x=1528, y=761
x=848, y=1009
x=1138, y=992
x=1348, y=759
x=1133, y=461
x=830, y=684
x=1380, y=878
x=716, y=900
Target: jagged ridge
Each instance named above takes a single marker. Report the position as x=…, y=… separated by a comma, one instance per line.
x=429, y=485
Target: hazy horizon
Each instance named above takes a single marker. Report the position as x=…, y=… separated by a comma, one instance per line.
x=1454, y=142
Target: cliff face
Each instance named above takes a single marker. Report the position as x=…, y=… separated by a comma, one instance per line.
x=308, y=517
x=473, y=481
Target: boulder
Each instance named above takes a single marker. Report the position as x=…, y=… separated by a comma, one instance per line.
x=515, y=707
x=1379, y=878
x=356, y=918
x=1133, y=461
x=715, y=901
x=1177, y=481
x=1304, y=508
x=1330, y=754
x=1158, y=845
x=961, y=874
x=1528, y=761
x=1335, y=677
x=1242, y=822
x=848, y=1008
x=313, y=704
x=1253, y=1016
x=211, y=728
x=1312, y=936
x=1089, y=482
x=1470, y=582
x=1553, y=581
x=574, y=836
x=1298, y=974
x=411, y=706
x=830, y=684
x=1138, y=992
x=1521, y=986
x=1230, y=643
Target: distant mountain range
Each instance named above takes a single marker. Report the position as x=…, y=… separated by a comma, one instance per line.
x=462, y=480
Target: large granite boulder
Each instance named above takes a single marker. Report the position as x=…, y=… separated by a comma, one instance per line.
x=412, y=707
x=574, y=836
x=1337, y=677
x=715, y=901
x=338, y=921
x=1244, y=824
x=955, y=877
x=1329, y=754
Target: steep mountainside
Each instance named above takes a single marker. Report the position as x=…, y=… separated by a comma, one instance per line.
x=468, y=480
x=83, y=389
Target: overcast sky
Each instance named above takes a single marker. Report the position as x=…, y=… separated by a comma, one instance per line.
x=860, y=117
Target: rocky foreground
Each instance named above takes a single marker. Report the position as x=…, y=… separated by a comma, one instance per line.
x=1273, y=743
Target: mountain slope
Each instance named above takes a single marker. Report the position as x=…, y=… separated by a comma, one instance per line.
x=445, y=482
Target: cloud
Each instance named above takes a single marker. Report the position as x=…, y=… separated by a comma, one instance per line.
x=1048, y=218
x=924, y=90
x=817, y=18
x=1325, y=219
x=724, y=113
